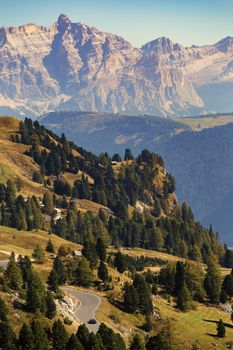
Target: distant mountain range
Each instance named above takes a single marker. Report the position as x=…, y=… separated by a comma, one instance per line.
x=202, y=162
x=71, y=66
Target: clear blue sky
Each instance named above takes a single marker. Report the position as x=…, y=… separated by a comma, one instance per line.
x=185, y=21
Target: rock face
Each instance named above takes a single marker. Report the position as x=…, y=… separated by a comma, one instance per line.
x=71, y=66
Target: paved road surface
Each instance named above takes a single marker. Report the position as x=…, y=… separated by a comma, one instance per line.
x=89, y=303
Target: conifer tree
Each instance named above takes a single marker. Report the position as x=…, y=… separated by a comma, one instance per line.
x=89, y=251
x=7, y=337
x=84, y=275
x=137, y=343
x=59, y=336
x=25, y=339
x=131, y=298
x=3, y=311
x=53, y=281
x=60, y=269
x=50, y=247
x=38, y=254
x=119, y=262
x=160, y=342
x=213, y=282
x=183, y=299
x=74, y=343
x=111, y=340
x=221, y=330
x=83, y=335
x=51, y=308
x=228, y=285
x=103, y=272
x=35, y=294
x=13, y=275
x=101, y=249
x=40, y=338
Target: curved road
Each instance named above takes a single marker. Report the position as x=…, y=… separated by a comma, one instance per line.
x=89, y=304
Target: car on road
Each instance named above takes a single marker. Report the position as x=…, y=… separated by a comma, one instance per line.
x=92, y=321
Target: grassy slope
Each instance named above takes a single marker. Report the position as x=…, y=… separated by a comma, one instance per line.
x=24, y=242
x=200, y=123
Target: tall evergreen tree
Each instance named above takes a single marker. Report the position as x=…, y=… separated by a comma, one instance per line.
x=101, y=249
x=40, y=338
x=59, y=336
x=3, y=311
x=83, y=335
x=137, y=343
x=50, y=247
x=53, y=281
x=221, y=330
x=7, y=337
x=13, y=275
x=38, y=254
x=25, y=339
x=51, y=308
x=213, y=281
x=74, y=343
x=84, y=275
x=103, y=272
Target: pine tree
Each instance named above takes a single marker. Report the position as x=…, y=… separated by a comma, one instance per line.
x=3, y=311
x=48, y=203
x=25, y=339
x=145, y=302
x=83, y=335
x=13, y=275
x=84, y=275
x=221, y=330
x=103, y=272
x=51, y=308
x=74, y=343
x=179, y=277
x=131, y=298
x=60, y=269
x=111, y=340
x=89, y=251
x=50, y=247
x=26, y=268
x=7, y=337
x=228, y=285
x=137, y=343
x=183, y=299
x=213, y=281
x=160, y=342
x=38, y=254
x=40, y=338
x=35, y=294
x=119, y=262
x=53, y=281
x=148, y=325
x=59, y=336
x=101, y=249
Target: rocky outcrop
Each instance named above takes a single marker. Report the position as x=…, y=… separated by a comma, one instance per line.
x=71, y=66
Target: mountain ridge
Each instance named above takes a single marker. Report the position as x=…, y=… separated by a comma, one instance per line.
x=72, y=66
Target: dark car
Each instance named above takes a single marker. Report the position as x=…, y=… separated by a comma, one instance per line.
x=92, y=321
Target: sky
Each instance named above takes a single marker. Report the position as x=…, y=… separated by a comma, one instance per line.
x=185, y=21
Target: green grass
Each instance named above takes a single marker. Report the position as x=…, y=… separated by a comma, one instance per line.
x=5, y=173
x=199, y=324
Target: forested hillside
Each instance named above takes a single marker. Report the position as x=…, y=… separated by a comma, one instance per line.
x=133, y=245
x=198, y=152
x=134, y=199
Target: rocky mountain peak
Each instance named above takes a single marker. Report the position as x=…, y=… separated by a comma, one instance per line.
x=63, y=23
x=225, y=45
x=161, y=45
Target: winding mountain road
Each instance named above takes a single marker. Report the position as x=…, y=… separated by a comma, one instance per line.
x=89, y=304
